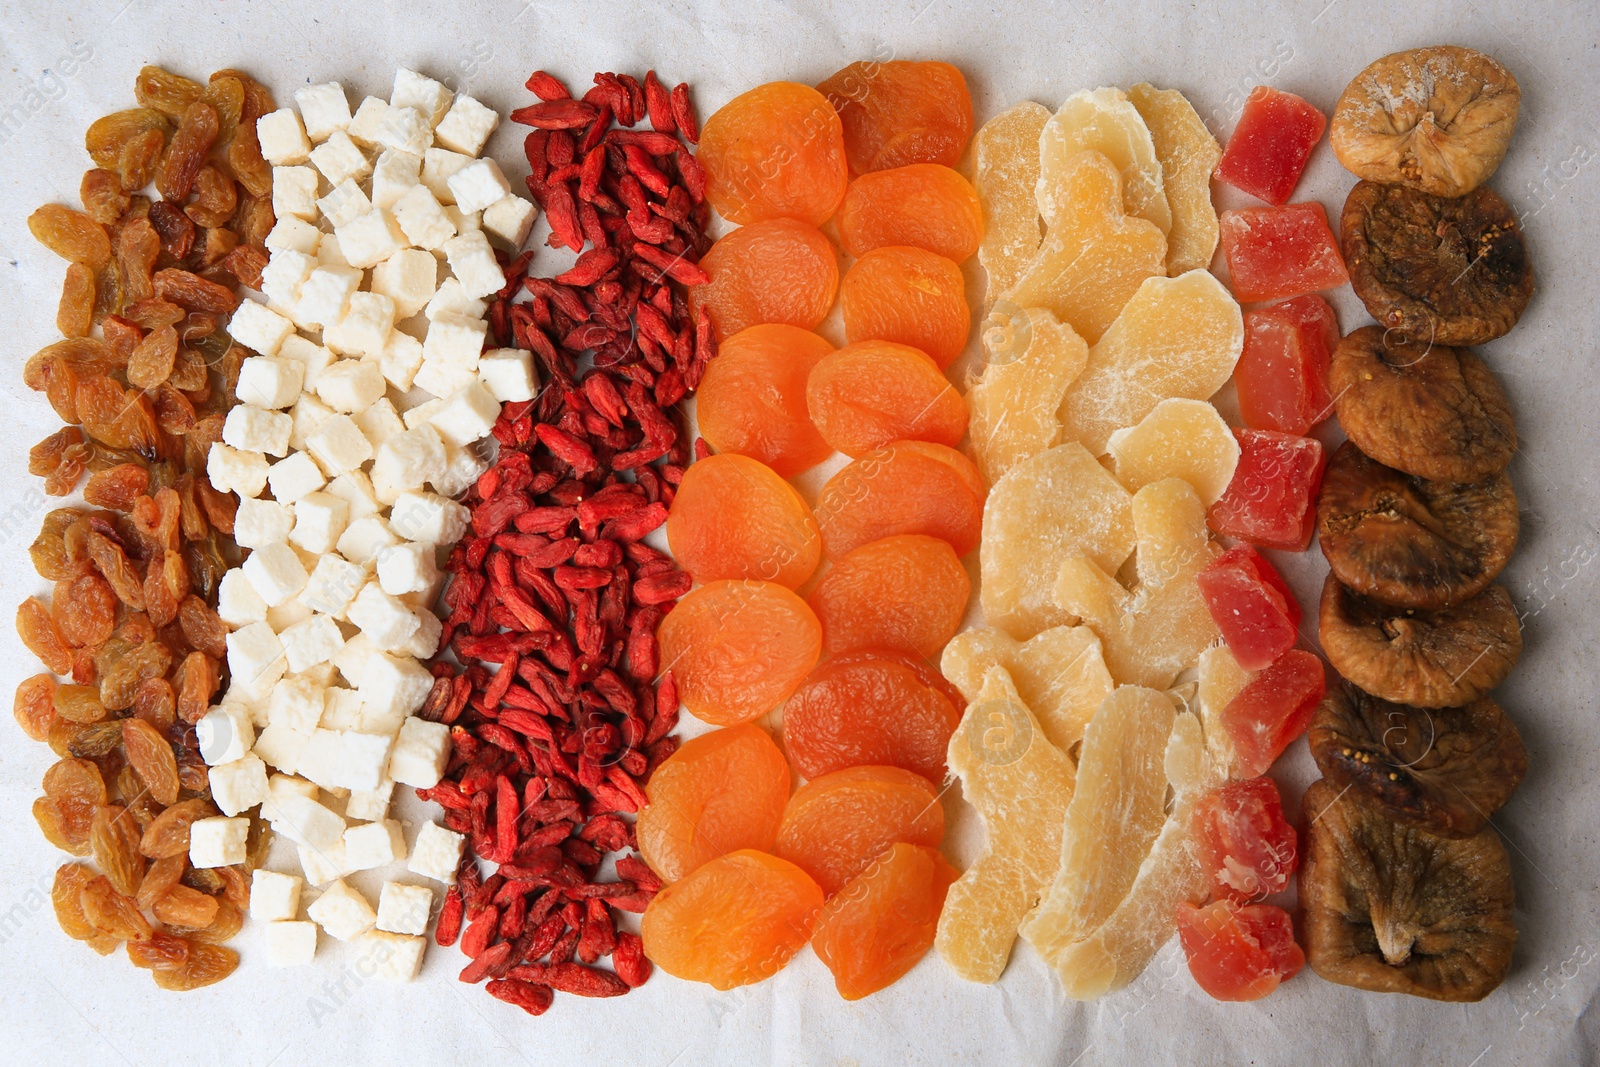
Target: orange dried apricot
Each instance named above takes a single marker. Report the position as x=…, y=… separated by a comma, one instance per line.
x=902, y=488
x=878, y=926
x=924, y=205
x=752, y=401
x=733, y=517
x=901, y=112
x=720, y=792
x=836, y=825
x=871, y=707
x=735, y=921
x=904, y=593
x=872, y=392
x=776, y=151
x=739, y=649
x=907, y=295
x=776, y=270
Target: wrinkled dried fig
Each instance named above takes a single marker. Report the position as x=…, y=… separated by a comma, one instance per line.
x=1393, y=909
x=1428, y=410
x=1445, y=271
x=1408, y=541
x=1436, y=119
x=1428, y=659
x=1443, y=770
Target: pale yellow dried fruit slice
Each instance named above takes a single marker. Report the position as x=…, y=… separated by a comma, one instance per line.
x=1180, y=438
x=1104, y=120
x=1031, y=358
x=1188, y=155
x=1020, y=784
x=1046, y=510
x=1177, y=337
x=1158, y=630
x=1095, y=253
x=1220, y=679
x=1006, y=163
x=1116, y=812
x=1060, y=674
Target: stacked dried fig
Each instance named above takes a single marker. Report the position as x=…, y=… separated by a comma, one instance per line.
x=144, y=378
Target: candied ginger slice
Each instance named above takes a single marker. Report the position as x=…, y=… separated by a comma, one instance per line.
x=1188, y=154
x=1180, y=438
x=1177, y=337
x=1020, y=784
x=1094, y=254
x=1047, y=509
x=1116, y=812
x=1031, y=358
x=1060, y=673
x=1104, y=120
x=1006, y=157
x=1220, y=680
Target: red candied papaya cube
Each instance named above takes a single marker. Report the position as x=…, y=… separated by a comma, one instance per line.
x=1270, y=145
x=1282, y=374
x=1252, y=606
x=1272, y=499
x=1239, y=952
x=1277, y=252
x=1273, y=709
x=1245, y=846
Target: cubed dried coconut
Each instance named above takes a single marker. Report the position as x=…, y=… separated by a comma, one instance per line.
x=1031, y=357
x=1188, y=155
x=1180, y=438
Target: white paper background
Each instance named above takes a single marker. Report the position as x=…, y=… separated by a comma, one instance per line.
x=63, y=1004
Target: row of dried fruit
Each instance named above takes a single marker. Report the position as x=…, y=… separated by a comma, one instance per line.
x=131, y=621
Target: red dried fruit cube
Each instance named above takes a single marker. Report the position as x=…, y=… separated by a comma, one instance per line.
x=1270, y=145
x=1239, y=952
x=1277, y=252
x=1282, y=374
x=1273, y=709
x=1244, y=844
x=1272, y=498
x=1252, y=606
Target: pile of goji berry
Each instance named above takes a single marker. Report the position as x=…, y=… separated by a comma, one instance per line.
x=553, y=586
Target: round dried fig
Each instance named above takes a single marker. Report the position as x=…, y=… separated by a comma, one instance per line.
x=1436, y=119
x=1443, y=770
x=1408, y=541
x=1441, y=271
x=1428, y=410
x=1393, y=909
x=1428, y=659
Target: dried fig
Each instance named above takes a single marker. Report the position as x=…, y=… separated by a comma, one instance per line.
x=1436, y=119
x=1445, y=271
x=1408, y=541
x=1443, y=770
x=1428, y=659
x=1393, y=909
x=1429, y=410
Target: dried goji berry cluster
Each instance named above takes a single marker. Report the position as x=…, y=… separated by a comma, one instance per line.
x=553, y=586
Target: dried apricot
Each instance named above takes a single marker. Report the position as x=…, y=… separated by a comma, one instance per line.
x=872, y=392
x=733, y=517
x=776, y=151
x=923, y=205
x=835, y=826
x=907, y=295
x=775, y=270
x=901, y=112
x=878, y=926
x=903, y=593
x=739, y=649
x=752, y=400
x=906, y=487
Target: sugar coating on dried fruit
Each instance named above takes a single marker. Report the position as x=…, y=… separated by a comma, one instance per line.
x=869, y=393
x=1047, y=509
x=1188, y=154
x=1220, y=679
x=1006, y=157
x=752, y=400
x=775, y=270
x=1180, y=438
x=906, y=487
x=1030, y=358
x=924, y=205
x=907, y=295
x=776, y=151
x=1060, y=673
x=1020, y=785
x=837, y=824
x=907, y=593
x=1177, y=337
x=1104, y=120
x=735, y=518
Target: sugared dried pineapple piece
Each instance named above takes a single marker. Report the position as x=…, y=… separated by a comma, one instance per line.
x=1020, y=784
x=1031, y=359
x=1116, y=812
x=1188, y=155
x=1047, y=509
x=1104, y=120
x=1061, y=674
x=1220, y=680
x=1095, y=252
x=1006, y=157
x=1177, y=337
x=1180, y=438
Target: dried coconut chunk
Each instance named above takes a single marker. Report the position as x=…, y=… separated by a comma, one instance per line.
x=1021, y=784
x=1031, y=359
x=1180, y=438
x=1104, y=120
x=1061, y=674
x=1188, y=155
x=1006, y=151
